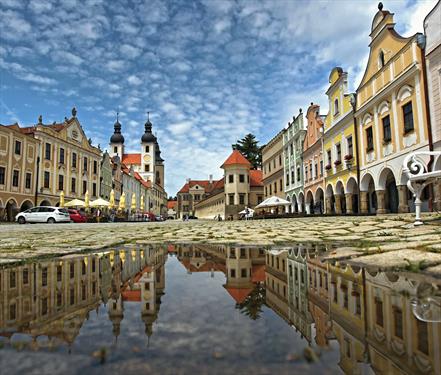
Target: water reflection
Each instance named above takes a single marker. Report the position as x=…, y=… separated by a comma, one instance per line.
x=381, y=322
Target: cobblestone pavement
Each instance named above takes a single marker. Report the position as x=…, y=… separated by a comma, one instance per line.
x=383, y=241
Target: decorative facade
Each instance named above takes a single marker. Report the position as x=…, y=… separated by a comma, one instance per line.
x=340, y=156
x=313, y=161
x=293, y=138
x=391, y=115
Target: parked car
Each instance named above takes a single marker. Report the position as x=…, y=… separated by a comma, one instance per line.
x=43, y=214
x=76, y=216
x=149, y=216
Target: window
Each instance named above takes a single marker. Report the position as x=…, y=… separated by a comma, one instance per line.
x=115, y=150
x=12, y=279
x=423, y=343
x=25, y=276
x=338, y=151
x=242, y=178
x=59, y=299
x=72, y=270
x=379, y=312
x=350, y=146
x=321, y=167
x=44, y=276
x=380, y=59
x=243, y=272
x=147, y=168
x=287, y=179
x=47, y=151
x=83, y=267
x=47, y=177
x=95, y=167
x=306, y=173
x=241, y=198
x=275, y=187
x=298, y=173
x=230, y=178
x=12, y=311
x=329, y=157
x=231, y=199
x=61, y=155
x=271, y=189
x=310, y=170
x=60, y=182
x=408, y=117
x=59, y=273
x=2, y=175
x=94, y=189
x=398, y=322
x=369, y=139
x=74, y=160
x=233, y=272
x=147, y=149
x=336, y=107
x=84, y=187
x=15, y=178
x=280, y=160
x=73, y=185
x=386, y=129
x=17, y=147
x=85, y=162
x=316, y=169
x=28, y=180
x=72, y=296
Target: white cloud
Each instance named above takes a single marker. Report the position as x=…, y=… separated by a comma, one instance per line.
x=134, y=80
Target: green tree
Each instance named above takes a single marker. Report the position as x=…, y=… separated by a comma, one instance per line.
x=249, y=147
x=252, y=305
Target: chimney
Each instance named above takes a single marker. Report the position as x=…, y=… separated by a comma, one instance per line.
x=210, y=177
x=188, y=180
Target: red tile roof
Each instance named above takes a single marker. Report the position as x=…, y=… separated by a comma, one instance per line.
x=256, y=177
x=204, y=183
x=171, y=204
x=131, y=159
x=236, y=158
x=258, y=273
x=239, y=295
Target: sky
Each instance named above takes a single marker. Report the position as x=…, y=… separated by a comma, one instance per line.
x=209, y=71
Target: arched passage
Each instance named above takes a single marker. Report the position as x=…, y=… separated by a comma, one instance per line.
x=330, y=200
x=294, y=206
x=387, y=193
x=368, y=196
x=309, y=203
x=352, y=196
x=301, y=203
x=11, y=209
x=319, y=201
x=26, y=205
x=288, y=207
x=45, y=202
x=340, y=198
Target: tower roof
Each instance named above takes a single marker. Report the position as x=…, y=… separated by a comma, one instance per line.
x=148, y=136
x=236, y=158
x=117, y=137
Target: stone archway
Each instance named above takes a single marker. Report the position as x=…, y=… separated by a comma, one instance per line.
x=387, y=192
x=352, y=196
x=330, y=200
x=319, y=206
x=368, y=195
x=45, y=202
x=294, y=204
x=288, y=207
x=309, y=203
x=11, y=210
x=26, y=205
x=301, y=203
x=340, y=201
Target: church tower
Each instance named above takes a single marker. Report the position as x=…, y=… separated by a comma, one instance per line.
x=148, y=153
x=159, y=166
x=116, y=144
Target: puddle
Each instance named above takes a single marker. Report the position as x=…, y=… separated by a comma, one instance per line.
x=216, y=309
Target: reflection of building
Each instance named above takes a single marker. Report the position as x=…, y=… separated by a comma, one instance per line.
x=399, y=342
x=346, y=299
x=276, y=282
x=53, y=298
x=298, y=281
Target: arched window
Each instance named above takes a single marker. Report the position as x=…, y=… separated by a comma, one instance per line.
x=381, y=59
x=335, y=106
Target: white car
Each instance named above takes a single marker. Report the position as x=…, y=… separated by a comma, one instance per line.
x=44, y=214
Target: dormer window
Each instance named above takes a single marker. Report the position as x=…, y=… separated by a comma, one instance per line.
x=380, y=59
x=336, y=107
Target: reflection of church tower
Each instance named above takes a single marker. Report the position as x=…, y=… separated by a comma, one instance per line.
x=148, y=301
x=148, y=153
x=116, y=144
x=116, y=314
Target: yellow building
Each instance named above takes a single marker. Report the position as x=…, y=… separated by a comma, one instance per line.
x=391, y=116
x=341, y=194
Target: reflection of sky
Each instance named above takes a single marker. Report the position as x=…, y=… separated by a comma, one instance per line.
x=197, y=318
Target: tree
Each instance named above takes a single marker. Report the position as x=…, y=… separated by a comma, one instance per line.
x=249, y=147
x=252, y=305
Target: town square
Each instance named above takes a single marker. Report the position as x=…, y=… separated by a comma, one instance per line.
x=220, y=187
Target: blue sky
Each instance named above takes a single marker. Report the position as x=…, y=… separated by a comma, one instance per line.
x=209, y=71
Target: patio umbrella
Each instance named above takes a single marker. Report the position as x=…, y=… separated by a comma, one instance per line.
x=122, y=202
x=100, y=202
x=62, y=199
x=273, y=202
x=86, y=199
x=75, y=203
x=112, y=199
x=133, y=205
x=142, y=203
x=250, y=211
